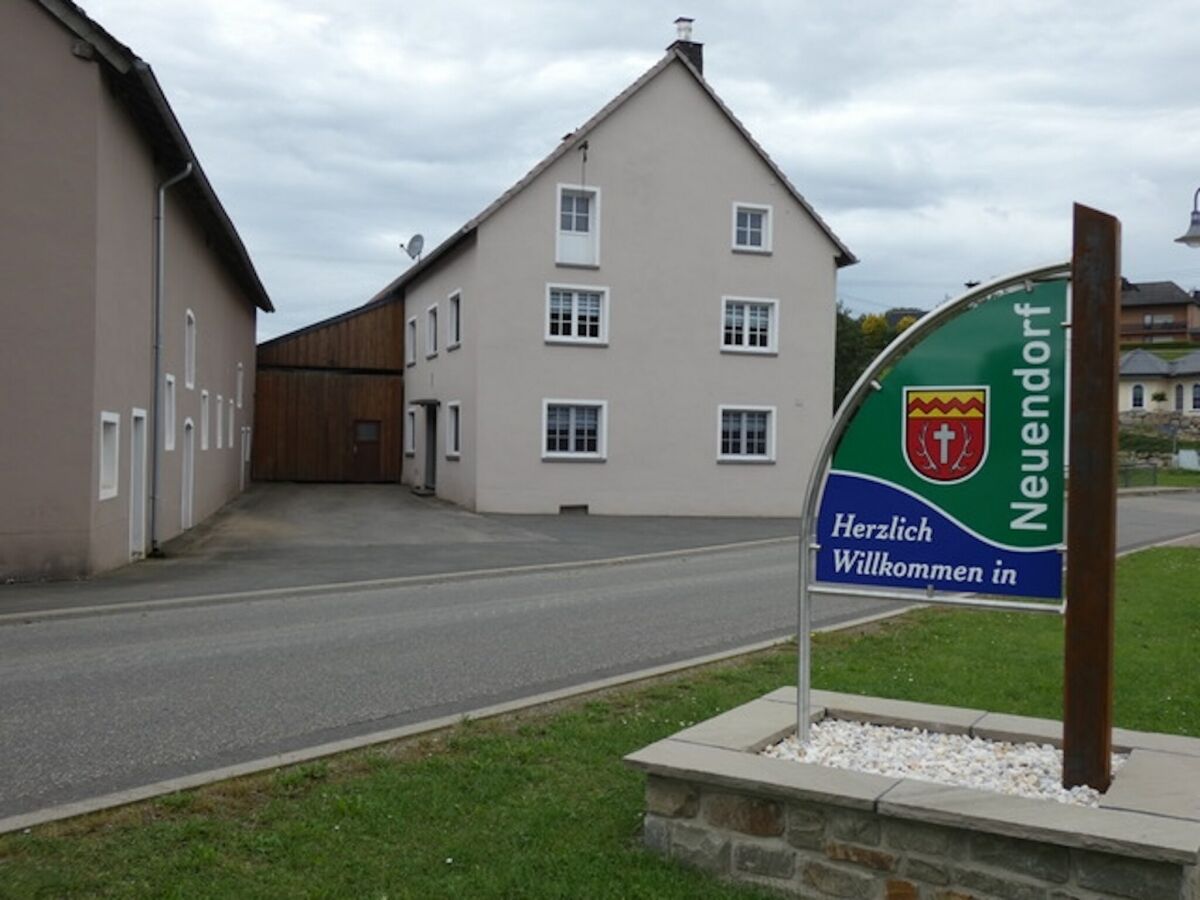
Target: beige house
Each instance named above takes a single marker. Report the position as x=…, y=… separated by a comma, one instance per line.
x=109, y=232
x=643, y=324
x=1146, y=376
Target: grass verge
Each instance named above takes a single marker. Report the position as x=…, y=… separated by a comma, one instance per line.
x=539, y=805
x=1179, y=478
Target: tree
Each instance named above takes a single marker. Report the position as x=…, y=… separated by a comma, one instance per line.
x=849, y=356
x=859, y=341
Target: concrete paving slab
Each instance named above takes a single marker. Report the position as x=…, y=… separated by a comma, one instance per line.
x=1113, y=831
x=1150, y=782
x=1018, y=729
x=751, y=772
x=747, y=728
x=1124, y=739
x=898, y=713
x=782, y=695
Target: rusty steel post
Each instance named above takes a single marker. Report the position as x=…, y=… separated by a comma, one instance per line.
x=1091, y=500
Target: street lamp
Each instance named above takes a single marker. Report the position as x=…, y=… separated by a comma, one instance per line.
x=1191, y=237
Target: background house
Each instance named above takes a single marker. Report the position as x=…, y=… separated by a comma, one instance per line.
x=1156, y=312
x=89, y=140
x=1145, y=375
x=642, y=325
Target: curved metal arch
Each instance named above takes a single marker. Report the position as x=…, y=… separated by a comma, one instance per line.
x=857, y=395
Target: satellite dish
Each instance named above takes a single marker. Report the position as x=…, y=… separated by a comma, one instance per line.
x=415, y=245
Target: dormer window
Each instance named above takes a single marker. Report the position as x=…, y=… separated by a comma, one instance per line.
x=578, y=226
x=751, y=228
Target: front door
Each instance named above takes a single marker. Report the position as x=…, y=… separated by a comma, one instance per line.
x=366, y=450
x=431, y=447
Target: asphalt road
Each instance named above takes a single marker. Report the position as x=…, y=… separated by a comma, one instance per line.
x=94, y=704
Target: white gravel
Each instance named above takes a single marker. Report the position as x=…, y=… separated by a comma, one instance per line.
x=1023, y=770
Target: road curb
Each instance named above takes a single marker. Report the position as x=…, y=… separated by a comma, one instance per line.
x=1181, y=539
x=308, y=754
x=264, y=764
x=373, y=584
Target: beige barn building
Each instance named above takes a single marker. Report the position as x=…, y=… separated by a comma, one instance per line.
x=90, y=148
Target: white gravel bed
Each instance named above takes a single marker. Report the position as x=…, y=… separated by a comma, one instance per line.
x=1022, y=770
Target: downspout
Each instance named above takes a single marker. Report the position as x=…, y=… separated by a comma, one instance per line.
x=159, y=273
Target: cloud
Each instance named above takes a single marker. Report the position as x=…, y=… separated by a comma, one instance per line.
x=941, y=140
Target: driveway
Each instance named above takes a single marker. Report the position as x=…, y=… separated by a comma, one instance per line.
x=284, y=535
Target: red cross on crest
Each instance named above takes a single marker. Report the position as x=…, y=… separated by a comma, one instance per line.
x=945, y=431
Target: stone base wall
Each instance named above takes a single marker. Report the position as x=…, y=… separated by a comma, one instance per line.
x=825, y=851
x=715, y=803
x=1186, y=423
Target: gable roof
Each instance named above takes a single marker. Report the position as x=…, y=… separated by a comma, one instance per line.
x=133, y=82
x=574, y=139
x=1187, y=365
x=1141, y=363
x=1155, y=293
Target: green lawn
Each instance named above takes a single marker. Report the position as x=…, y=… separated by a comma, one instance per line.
x=539, y=805
x=1149, y=476
x=1179, y=478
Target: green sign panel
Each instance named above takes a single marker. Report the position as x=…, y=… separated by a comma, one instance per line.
x=950, y=475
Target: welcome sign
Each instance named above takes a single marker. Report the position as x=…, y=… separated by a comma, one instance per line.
x=949, y=477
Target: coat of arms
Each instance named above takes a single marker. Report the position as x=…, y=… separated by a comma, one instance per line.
x=945, y=431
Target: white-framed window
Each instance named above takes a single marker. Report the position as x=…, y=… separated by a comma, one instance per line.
x=577, y=215
x=110, y=453
x=241, y=384
x=454, y=325
x=168, y=411
x=453, y=429
x=219, y=421
x=204, y=420
x=1139, y=397
x=575, y=429
x=752, y=227
x=749, y=325
x=410, y=342
x=746, y=433
x=229, y=443
x=189, y=350
x=410, y=431
x=576, y=314
x=431, y=331
x=1196, y=396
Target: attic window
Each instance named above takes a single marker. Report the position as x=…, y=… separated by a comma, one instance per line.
x=751, y=228
x=578, y=226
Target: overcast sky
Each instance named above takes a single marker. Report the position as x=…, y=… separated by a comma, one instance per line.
x=942, y=140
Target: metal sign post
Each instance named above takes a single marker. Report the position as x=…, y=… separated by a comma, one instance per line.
x=1092, y=501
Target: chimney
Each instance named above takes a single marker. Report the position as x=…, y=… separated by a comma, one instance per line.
x=685, y=45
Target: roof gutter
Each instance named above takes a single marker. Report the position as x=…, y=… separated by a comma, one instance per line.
x=159, y=279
